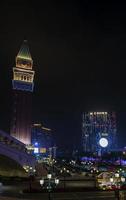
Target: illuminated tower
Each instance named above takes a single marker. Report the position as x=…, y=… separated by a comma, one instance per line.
x=99, y=131
x=23, y=77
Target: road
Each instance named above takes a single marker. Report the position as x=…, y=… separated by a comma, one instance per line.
x=15, y=193
x=64, y=196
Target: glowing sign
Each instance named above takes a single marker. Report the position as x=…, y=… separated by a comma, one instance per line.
x=36, y=150
x=42, y=150
x=103, y=142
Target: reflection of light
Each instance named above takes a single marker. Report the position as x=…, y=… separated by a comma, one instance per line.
x=103, y=142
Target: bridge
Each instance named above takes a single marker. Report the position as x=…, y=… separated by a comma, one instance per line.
x=16, y=150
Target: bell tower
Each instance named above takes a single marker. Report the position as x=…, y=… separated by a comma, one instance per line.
x=23, y=85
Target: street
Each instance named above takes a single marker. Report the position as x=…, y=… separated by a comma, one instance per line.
x=64, y=196
x=15, y=192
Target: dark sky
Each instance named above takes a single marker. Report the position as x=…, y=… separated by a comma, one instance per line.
x=79, y=53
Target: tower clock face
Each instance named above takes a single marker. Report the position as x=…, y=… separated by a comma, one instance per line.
x=103, y=142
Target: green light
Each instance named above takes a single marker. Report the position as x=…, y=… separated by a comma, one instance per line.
x=24, y=52
x=24, y=57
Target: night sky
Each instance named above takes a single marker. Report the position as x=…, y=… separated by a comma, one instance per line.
x=79, y=54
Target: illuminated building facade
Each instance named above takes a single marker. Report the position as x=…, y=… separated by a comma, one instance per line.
x=42, y=139
x=23, y=77
x=99, y=131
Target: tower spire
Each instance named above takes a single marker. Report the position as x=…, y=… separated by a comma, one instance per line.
x=23, y=58
x=24, y=52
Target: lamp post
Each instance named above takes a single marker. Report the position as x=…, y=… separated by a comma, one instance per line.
x=49, y=183
x=117, y=179
x=31, y=173
x=111, y=180
x=64, y=171
x=117, y=175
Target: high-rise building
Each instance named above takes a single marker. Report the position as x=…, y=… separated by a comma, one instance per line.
x=99, y=131
x=42, y=138
x=23, y=77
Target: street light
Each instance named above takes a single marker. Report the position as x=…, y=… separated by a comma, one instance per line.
x=117, y=175
x=64, y=171
x=122, y=179
x=31, y=173
x=49, y=176
x=111, y=180
x=56, y=181
x=41, y=182
x=49, y=183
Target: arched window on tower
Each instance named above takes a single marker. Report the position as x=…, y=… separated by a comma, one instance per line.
x=25, y=78
x=22, y=77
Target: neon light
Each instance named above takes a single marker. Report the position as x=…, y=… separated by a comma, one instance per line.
x=47, y=129
x=24, y=57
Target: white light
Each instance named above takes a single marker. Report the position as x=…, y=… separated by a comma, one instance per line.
x=36, y=150
x=111, y=180
x=41, y=182
x=123, y=179
x=56, y=181
x=116, y=175
x=49, y=176
x=103, y=142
